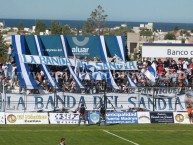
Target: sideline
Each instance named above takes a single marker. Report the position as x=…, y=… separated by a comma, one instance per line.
x=120, y=137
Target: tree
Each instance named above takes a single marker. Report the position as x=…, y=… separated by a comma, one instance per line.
x=96, y=21
x=170, y=36
x=3, y=49
x=88, y=28
x=66, y=30
x=56, y=27
x=40, y=27
x=20, y=27
x=146, y=33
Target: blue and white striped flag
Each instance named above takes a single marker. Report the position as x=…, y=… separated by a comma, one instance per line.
x=91, y=68
x=151, y=72
x=25, y=76
x=110, y=79
x=118, y=59
x=63, y=40
x=76, y=66
x=131, y=82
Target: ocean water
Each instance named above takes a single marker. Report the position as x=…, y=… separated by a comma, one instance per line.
x=79, y=23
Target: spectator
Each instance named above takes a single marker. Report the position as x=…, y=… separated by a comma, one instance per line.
x=167, y=62
x=82, y=116
x=180, y=65
x=102, y=113
x=1, y=77
x=189, y=111
x=9, y=53
x=14, y=78
x=174, y=78
x=138, y=54
x=191, y=65
x=155, y=61
x=185, y=64
x=190, y=77
x=160, y=69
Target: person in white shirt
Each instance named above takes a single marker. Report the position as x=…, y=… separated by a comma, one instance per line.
x=185, y=64
x=9, y=53
x=14, y=75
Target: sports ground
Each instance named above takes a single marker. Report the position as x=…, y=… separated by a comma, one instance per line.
x=130, y=134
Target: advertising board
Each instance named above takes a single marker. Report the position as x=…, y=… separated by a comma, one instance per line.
x=161, y=117
x=93, y=117
x=121, y=117
x=27, y=118
x=181, y=118
x=63, y=118
x=143, y=117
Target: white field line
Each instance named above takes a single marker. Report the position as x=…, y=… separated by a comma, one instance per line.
x=136, y=130
x=120, y=137
x=44, y=130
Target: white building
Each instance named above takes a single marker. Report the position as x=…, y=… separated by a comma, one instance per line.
x=1, y=25
x=26, y=29
x=33, y=28
x=149, y=26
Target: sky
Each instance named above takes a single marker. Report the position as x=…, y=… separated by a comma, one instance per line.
x=176, y=11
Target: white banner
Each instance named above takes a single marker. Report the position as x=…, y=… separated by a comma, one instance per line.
x=33, y=59
x=64, y=118
x=167, y=51
x=27, y=118
x=165, y=99
x=143, y=117
x=181, y=117
x=2, y=118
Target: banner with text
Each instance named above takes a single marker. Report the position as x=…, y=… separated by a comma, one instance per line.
x=161, y=117
x=165, y=99
x=121, y=117
x=82, y=46
x=27, y=118
x=167, y=50
x=34, y=59
x=64, y=118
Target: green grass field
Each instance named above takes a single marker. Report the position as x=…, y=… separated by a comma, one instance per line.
x=130, y=134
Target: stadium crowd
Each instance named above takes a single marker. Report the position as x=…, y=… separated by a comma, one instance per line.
x=170, y=73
